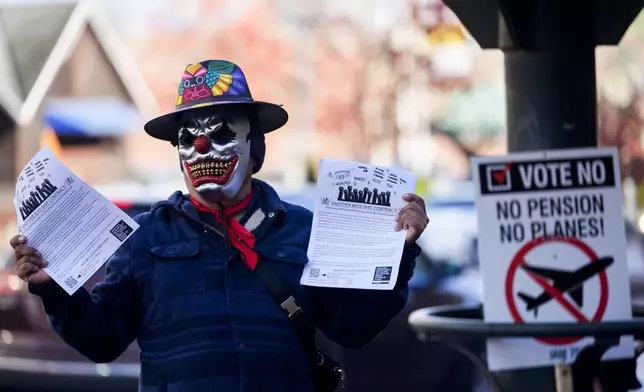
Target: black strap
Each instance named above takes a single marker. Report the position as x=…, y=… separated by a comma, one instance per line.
x=301, y=321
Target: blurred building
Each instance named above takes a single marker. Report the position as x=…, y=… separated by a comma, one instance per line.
x=249, y=34
x=326, y=62
x=65, y=73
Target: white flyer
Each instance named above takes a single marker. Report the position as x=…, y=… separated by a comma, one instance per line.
x=353, y=243
x=73, y=226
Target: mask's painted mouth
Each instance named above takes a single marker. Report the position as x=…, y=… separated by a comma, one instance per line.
x=217, y=171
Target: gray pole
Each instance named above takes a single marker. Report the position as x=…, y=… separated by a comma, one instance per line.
x=551, y=99
x=551, y=103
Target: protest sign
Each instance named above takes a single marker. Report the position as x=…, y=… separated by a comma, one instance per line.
x=552, y=248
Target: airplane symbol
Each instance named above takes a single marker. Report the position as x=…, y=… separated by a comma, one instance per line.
x=571, y=282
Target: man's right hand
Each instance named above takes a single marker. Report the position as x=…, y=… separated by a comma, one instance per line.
x=28, y=261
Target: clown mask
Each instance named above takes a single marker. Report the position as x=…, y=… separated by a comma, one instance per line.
x=215, y=152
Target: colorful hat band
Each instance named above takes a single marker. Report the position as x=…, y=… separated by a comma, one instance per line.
x=211, y=100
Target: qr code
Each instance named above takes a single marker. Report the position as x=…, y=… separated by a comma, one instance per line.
x=121, y=230
x=315, y=273
x=71, y=282
x=382, y=275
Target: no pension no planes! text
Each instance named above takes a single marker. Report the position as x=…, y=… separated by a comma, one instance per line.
x=579, y=216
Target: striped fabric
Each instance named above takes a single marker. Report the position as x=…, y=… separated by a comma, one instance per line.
x=203, y=320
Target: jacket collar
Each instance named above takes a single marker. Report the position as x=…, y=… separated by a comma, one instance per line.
x=266, y=198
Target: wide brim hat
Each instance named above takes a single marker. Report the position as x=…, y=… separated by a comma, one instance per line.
x=209, y=86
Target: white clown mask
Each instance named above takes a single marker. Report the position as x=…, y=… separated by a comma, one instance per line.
x=215, y=152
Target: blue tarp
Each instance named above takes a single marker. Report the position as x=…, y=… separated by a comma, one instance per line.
x=91, y=117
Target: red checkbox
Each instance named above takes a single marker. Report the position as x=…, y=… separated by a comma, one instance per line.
x=500, y=176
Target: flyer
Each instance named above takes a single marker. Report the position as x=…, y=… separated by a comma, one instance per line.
x=74, y=227
x=353, y=242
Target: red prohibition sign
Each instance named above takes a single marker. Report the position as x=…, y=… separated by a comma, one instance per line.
x=519, y=260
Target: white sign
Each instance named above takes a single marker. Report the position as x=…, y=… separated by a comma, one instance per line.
x=552, y=248
x=73, y=226
x=353, y=243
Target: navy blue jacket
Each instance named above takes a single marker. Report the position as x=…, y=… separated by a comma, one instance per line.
x=203, y=320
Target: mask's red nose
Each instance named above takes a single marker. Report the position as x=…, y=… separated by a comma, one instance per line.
x=202, y=144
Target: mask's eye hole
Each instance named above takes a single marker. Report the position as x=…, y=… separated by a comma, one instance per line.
x=186, y=138
x=221, y=134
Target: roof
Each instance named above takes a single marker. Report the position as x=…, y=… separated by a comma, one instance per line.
x=30, y=58
x=485, y=21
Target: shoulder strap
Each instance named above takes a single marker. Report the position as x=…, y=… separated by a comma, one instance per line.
x=280, y=292
x=301, y=321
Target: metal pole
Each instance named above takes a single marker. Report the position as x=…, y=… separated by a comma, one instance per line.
x=551, y=99
x=551, y=102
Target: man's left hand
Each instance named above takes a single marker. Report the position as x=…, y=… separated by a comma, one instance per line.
x=412, y=217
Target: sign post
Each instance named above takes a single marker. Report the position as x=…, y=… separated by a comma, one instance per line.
x=563, y=378
x=552, y=249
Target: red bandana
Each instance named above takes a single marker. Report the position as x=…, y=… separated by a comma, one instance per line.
x=238, y=236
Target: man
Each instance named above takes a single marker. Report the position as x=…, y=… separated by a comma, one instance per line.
x=186, y=285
